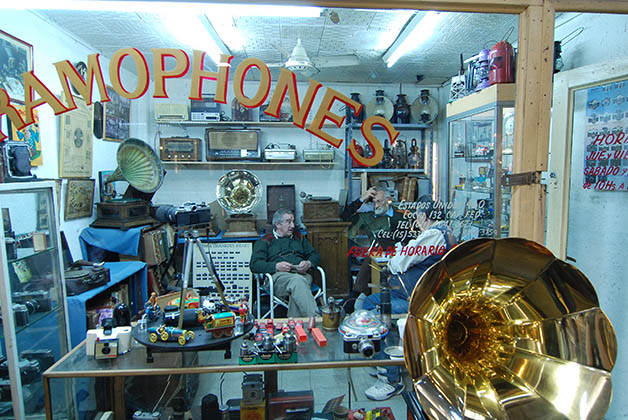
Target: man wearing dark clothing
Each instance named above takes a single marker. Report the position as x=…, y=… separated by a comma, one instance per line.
x=288, y=256
x=373, y=215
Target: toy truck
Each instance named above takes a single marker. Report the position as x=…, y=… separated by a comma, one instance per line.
x=220, y=324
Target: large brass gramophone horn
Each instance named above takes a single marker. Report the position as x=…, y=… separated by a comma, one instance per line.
x=139, y=165
x=501, y=329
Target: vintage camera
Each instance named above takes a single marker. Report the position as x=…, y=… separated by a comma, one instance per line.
x=187, y=214
x=367, y=344
x=104, y=344
x=252, y=389
x=30, y=371
x=44, y=357
x=38, y=299
x=146, y=415
x=106, y=348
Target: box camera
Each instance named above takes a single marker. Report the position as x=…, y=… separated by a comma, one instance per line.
x=187, y=214
x=108, y=346
x=367, y=344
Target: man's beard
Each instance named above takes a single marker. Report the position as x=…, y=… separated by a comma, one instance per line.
x=380, y=210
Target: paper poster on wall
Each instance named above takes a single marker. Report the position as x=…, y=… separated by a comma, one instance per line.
x=606, y=143
x=76, y=142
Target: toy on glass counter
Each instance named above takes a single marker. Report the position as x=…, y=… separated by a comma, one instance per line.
x=151, y=307
x=170, y=334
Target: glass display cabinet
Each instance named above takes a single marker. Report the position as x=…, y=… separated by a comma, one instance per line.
x=34, y=332
x=480, y=146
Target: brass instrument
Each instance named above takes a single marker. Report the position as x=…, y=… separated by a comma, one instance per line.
x=502, y=329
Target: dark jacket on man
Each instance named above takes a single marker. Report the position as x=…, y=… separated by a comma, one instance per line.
x=268, y=251
x=369, y=224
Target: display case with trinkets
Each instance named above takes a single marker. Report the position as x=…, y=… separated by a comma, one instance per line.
x=34, y=332
x=481, y=135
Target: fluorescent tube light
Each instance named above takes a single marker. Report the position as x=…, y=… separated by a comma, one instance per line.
x=418, y=30
x=229, y=11
x=196, y=32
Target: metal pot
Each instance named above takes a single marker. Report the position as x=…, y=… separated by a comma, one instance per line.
x=332, y=315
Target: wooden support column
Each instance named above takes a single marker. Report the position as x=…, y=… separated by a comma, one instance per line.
x=532, y=118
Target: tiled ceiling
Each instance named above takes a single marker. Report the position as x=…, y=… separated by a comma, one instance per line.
x=358, y=31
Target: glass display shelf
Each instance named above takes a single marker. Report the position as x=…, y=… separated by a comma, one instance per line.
x=26, y=253
x=34, y=333
x=480, y=130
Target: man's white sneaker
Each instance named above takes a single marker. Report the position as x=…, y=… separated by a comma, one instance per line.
x=382, y=390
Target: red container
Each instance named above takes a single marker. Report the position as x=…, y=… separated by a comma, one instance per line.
x=501, y=63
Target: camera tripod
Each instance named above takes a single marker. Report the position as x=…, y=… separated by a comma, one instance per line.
x=191, y=240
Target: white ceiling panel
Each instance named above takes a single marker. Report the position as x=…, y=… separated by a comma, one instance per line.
x=366, y=34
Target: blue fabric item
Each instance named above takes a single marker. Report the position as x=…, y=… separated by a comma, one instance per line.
x=118, y=272
x=115, y=240
x=399, y=305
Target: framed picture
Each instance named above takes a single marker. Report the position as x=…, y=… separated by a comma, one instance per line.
x=117, y=117
x=75, y=142
x=16, y=57
x=29, y=135
x=79, y=199
x=107, y=191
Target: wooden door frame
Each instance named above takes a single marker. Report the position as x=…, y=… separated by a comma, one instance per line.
x=565, y=85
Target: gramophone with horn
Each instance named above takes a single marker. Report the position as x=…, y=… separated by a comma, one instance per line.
x=139, y=165
x=238, y=192
x=502, y=329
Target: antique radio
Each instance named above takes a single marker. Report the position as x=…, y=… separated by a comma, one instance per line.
x=232, y=144
x=320, y=209
x=171, y=112
x=280, y=152
x=318, y=155
x=205, y=109
x=180, y=149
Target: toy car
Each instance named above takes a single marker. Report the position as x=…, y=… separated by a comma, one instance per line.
x=169, y=334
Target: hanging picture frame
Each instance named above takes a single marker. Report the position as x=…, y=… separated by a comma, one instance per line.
x=16, y=57
x=117, y=126
x=79, y=199
x=76, y=142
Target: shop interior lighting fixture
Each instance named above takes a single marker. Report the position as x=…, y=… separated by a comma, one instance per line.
x=196, y=32
x=418, y=30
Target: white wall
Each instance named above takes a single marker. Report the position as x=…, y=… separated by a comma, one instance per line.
x=596, y=232
x=49, y=46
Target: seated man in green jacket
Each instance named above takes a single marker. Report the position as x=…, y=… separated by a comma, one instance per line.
x=288, y=256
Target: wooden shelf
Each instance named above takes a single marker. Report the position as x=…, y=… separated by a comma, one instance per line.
x=410, y=171
x=235, y=123
x=257, y=164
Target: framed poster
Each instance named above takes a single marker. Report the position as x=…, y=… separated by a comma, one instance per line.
x=75, y=141
x=79, y=199
x=29, y=135
x=117, y=117
x=16, y=57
